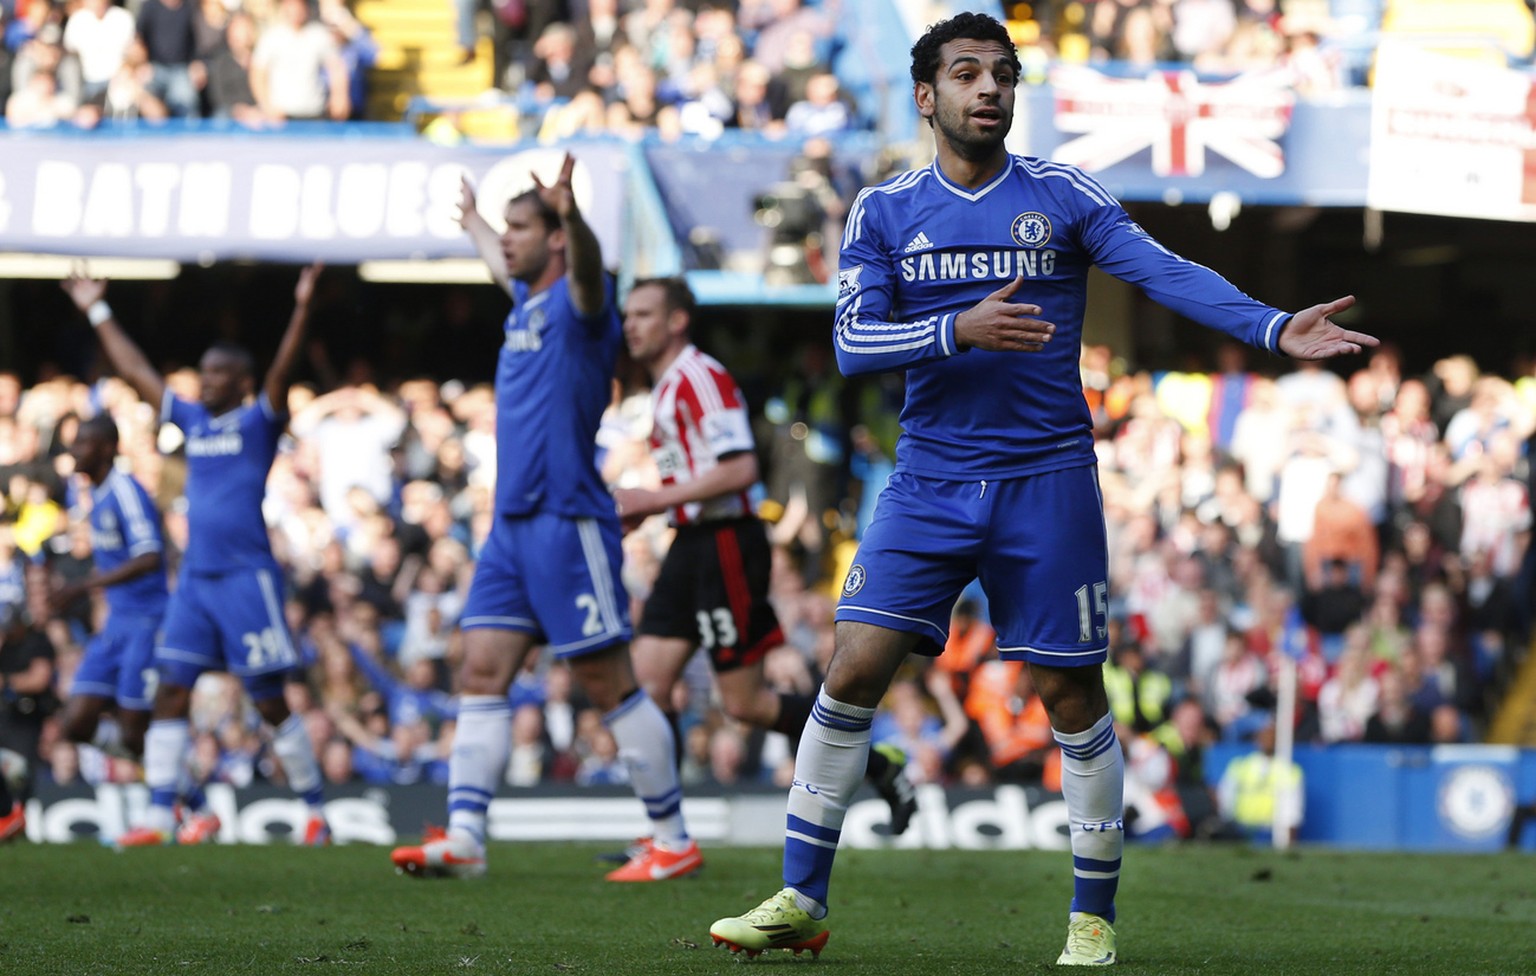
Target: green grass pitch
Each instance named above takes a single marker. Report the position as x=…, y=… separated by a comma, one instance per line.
x=544, y=909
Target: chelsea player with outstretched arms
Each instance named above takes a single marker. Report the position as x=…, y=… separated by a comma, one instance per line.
x=971, y=275
x=226, y=613
x=549, y=572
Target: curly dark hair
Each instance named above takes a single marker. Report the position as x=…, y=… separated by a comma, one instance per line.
x=969, y=25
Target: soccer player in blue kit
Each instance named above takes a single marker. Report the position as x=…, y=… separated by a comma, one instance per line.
x=549, y=572
x=226, y=613
x=970, y=274
x=129, y=565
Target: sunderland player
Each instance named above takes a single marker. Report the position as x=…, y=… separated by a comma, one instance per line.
x=227, y=611
x=712, y=589
x=970, y=275
x=128, y=553
x=549, y=572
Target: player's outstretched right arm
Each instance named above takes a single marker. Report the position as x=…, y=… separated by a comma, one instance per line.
x=127, y=359
x=487, y=242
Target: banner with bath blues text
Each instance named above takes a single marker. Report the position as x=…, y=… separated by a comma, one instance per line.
x=204, y=197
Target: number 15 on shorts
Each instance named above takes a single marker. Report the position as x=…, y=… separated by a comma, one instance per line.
x=1092, y=615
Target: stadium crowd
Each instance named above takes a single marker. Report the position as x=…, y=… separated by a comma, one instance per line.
x=257, y=63
x=1316, y=46
x=672, y=67
x=1375, y=527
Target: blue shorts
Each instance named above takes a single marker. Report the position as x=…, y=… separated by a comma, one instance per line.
x=554, y=577
x=119, y=662
x=228, y=622
x=1036, y=542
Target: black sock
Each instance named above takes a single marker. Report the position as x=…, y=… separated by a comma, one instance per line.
x=879, y=764
x=794, y=712
x=677, y=738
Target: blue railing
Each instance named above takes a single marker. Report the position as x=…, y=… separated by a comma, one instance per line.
x=140, y=129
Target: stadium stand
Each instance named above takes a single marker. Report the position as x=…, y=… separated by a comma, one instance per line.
x=419, y=57
x=1208, y=527
x=1490, y=30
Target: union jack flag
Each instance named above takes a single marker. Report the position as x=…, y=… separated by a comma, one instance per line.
x=1177, y=116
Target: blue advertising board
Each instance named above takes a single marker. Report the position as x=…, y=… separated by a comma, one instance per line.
x=1430, y=798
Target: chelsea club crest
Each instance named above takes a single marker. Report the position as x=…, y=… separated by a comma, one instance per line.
x=855, y=581
x=1032, y=229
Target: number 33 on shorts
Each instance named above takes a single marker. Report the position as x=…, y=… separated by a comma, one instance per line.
x=717, y=628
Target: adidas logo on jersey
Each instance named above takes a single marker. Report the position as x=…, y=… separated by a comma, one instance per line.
x=918, y=243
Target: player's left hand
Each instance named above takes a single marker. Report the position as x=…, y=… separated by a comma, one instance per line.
x=1311, y=334
x=468, y=211
x=558, y=196
x=82, y=289
x=305, y=289
x=60, y=599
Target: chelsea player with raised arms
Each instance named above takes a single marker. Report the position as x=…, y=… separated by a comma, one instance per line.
x=549, y=572
x=970, y=275
x=226, y=613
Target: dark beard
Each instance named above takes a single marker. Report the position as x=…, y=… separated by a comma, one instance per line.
x=970, y=146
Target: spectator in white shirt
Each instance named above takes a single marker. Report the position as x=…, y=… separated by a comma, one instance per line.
x=98, y=34
x=286, y=70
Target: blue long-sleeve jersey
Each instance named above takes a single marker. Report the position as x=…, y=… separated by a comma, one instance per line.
x=124, y=526
x=919, y=250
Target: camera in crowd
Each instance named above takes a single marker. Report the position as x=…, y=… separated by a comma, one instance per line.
x=795, y=212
